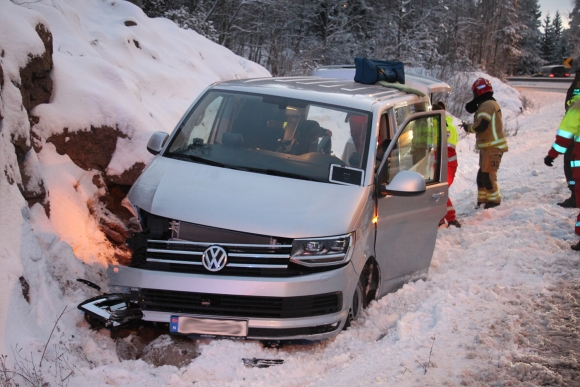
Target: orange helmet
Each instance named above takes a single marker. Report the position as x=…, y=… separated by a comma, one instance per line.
x=481, y=86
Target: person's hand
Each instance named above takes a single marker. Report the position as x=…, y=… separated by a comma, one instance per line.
x=465, y=126
x=549, y=161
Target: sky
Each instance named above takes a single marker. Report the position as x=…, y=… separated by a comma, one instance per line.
x=551, y=6
x=494, y=299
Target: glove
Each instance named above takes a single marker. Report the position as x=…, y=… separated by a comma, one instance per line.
x=464, y=125
x=549, y=161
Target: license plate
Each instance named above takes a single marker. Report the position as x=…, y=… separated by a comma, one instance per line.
x=208, y=326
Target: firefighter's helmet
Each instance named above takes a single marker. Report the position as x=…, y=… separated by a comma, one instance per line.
x=481, y=86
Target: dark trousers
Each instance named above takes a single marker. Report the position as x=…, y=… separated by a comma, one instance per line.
x=567, y=167
x=576, y=191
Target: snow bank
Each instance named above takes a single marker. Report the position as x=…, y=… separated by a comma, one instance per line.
x=113, y=66
x=116, y=67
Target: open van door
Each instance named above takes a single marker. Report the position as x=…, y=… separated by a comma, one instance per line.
x=408, y=209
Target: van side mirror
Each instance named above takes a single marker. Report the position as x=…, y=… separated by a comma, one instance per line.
x=156, y=142
x=405, y=183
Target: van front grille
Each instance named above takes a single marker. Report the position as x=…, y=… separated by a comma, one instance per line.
x=181, y=251
x=224, y=305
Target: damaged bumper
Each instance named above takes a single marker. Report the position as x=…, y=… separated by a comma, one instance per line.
x=110, y=310
x=306, y=307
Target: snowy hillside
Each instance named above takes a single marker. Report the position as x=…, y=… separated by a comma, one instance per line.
x=118, y=76
x=499, y=306
x=83, y=86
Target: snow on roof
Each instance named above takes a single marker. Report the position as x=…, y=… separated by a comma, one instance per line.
x=423, y=83
x=332, y=91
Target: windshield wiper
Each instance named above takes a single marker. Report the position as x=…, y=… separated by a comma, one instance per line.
x=274, y=172
x=197, y=159
x=266, y=171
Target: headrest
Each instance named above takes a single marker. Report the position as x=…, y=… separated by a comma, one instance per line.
x=358, y=125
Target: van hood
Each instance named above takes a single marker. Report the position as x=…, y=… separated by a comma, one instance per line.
x=246, y=201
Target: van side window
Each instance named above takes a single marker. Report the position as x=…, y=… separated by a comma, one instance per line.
x=384, y=138
x=416, y=149
x=403, y=112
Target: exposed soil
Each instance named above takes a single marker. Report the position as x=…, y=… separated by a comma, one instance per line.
x=153, y=345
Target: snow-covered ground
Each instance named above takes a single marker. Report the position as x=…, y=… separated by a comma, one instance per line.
x=498, y=308
x=482, y=317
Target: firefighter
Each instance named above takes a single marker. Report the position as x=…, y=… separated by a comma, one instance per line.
x=490, y=141
x=451, y=216
x=573, y=90
x=569, y=131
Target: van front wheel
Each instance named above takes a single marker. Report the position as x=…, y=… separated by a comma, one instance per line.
x=356, y=305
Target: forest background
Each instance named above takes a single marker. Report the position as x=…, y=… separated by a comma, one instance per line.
x=498, y=37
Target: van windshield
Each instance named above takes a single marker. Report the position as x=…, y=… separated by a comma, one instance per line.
x=273, y=135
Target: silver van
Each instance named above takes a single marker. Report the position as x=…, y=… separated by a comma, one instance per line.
x=280, y=207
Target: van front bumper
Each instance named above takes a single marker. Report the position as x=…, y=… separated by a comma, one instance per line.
x=269, y=305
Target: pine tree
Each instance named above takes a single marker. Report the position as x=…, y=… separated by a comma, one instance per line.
x=560, y=42
x=529, y=61
x=195, y=21
x=293, y=37
x=574, y=33
x=155, y=8
x=504, y=38
x=547, y=42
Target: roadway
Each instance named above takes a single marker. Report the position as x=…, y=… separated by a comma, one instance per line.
x=558, y=85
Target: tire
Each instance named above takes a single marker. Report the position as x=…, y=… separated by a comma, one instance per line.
x=356, y=305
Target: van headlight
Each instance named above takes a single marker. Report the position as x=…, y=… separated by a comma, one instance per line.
x=327, y=251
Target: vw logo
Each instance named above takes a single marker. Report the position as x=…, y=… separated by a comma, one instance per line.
x=214, y=258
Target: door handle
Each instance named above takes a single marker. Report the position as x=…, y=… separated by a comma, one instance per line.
x=438, y=195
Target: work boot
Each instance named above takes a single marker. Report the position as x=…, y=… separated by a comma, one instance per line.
x=478, y=205
x=455, y=223
x=576, y=247
x=490, y=205
x=568, y=203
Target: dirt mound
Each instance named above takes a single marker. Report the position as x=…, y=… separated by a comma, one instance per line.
x=155, y=347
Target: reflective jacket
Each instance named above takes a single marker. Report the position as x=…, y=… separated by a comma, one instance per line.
x=488, y=126
x=573, y=91
x=568, y=131
x=451, y=141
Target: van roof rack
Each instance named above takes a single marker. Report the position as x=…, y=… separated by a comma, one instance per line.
x=422, y=83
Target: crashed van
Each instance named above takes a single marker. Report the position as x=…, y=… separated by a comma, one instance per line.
x=280, y=207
